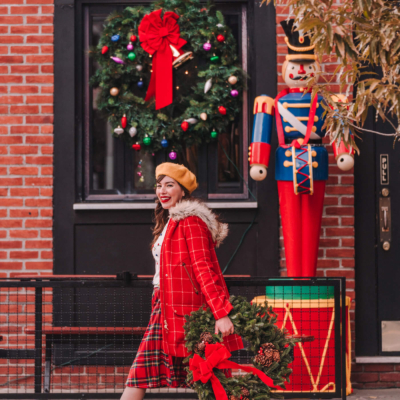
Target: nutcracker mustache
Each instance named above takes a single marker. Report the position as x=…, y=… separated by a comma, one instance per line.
x=300, y=78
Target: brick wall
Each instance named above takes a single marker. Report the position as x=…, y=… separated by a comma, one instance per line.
x=26, y=135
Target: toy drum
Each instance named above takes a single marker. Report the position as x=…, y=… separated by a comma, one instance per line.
x=309, y=315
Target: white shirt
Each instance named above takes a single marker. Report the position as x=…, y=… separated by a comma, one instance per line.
x=156, y=250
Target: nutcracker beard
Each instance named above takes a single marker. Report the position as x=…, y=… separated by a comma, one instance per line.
x=301, y=217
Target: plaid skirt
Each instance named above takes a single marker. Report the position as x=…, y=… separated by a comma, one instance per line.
x=152, y=368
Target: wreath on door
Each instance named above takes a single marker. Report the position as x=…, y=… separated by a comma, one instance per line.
x=169, y=75
x=255, y=323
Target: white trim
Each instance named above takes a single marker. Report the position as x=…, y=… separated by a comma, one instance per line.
x=152, y=206
x=377, y=360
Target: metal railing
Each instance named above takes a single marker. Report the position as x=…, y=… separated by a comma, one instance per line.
x=72, y=337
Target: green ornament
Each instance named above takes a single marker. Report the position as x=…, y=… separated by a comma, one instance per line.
x=213, y=58
x=214, y=134
x=132, y=56
x=147, y=141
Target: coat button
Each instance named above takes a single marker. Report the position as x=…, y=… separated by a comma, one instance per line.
x=166, y=274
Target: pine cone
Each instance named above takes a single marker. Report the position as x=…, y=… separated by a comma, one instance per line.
x=206, y=337
x=245, y=392
x=268, y=348
x=276, y=356
x=263, y=360
x=199, y=348
x=232, y=397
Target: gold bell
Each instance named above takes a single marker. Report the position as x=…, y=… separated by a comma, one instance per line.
x=180, y=57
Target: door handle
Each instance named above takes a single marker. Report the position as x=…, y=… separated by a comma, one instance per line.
x=385, y=215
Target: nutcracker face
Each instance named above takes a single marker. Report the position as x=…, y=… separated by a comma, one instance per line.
x=295, y=73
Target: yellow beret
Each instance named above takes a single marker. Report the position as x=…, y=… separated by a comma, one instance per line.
x=178, y=172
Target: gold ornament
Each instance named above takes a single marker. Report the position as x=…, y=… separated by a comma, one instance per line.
x=203, y=116
x=232, y=80
x=114, y=91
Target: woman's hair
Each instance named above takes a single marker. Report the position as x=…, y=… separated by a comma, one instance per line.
x=161, y=214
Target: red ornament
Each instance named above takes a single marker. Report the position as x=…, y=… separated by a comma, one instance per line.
x=136, y=146
x=155, y=35
x=222, y=110
x=133, y=38
x=220, y=38
x=185, y=126
x=104, y=50
x=123, y=121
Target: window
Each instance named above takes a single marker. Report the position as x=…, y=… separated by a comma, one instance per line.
x=112, y=171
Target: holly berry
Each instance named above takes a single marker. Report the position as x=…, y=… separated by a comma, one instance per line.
x=220, y=38
x=124, y=121
x=133, y=38
x=222, y=110
x=104, y=50
x=185, y=126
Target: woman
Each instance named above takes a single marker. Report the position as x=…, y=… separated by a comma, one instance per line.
x=187, y=276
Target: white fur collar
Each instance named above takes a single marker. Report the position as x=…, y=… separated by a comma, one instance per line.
x=187, y=208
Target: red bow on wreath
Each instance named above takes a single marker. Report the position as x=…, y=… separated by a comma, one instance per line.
x=217, y=357
x=156, y=35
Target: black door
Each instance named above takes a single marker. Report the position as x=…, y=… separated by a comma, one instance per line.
x=377, y=174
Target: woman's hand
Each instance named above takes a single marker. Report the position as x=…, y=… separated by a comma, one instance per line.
x=225, y=326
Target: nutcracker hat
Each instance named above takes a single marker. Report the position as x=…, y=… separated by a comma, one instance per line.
x=299, y=46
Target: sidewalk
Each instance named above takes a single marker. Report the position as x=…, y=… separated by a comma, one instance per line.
x=376, y=394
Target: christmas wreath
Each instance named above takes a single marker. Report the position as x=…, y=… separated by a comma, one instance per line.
x=169, y=73
x=255, y=323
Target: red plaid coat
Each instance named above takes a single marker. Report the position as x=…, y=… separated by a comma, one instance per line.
x=190, y=275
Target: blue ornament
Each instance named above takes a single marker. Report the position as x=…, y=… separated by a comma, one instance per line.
x=164, y=143
x=140, y=84
x=115, y=38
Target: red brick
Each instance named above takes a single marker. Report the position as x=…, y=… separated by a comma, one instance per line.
x=24, y=109
x=46, y=109
x=39, y=99
x=46, y=254
x=10, y=265
x=38, y=203
x=24, y=89
x=24, y=10
x=39, y=19
x=46, y=170
x=46, y=213
x=25, y=29
x=348, y=263
x=39, y=79
x=39, y=265
x=340, y=189
x=11, y=20
x=10, y=139
x=24, y=170
x=24, y=49
x=10, y=244
x=24, y=233
x=47, y=29
x=39, y=160
x=339, y=231
x=340, y=211
x=348, y=242
x=3, y=109
x=12, y=40
x=39, y=181
x=38, y=244
x=327, y=263
x=24, y=254
x=347, y=180
x=47, y=69
x=46, y=89
x=390, y=376
x=46, y=191
x=24, y=129
x=40, y=120
x=24, y=213
x=41, y=60
x=348, y=221
x=46, y=129
x=47, y=9
x=11, y=202
x=24, y=69
x=10, y=79
x=7, y=160
x=23, y=149
x=39, y=139
x=21, y=192
x=38, y=223
x=11, y=99
x=340, y=272
x=340, y=253
x=46, y=233
x=10, y=181
x=347, y=201
x=47, y=149
x=40, y=39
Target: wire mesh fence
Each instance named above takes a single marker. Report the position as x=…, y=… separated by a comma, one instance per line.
x=77, y=337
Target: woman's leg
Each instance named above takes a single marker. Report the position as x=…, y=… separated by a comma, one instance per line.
x=132, y=393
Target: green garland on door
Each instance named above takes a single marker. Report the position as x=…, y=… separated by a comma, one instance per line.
x=124, y=86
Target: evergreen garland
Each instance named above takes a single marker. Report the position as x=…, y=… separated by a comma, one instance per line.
x=255, y=323
x=199, y=24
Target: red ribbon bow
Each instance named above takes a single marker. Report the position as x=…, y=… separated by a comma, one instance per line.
x=156, y=35
x=217, y=357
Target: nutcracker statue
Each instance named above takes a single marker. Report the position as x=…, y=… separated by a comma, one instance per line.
x=301, y=159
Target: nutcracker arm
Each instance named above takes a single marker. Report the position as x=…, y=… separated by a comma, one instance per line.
x=344, y=155
x=260, y=148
